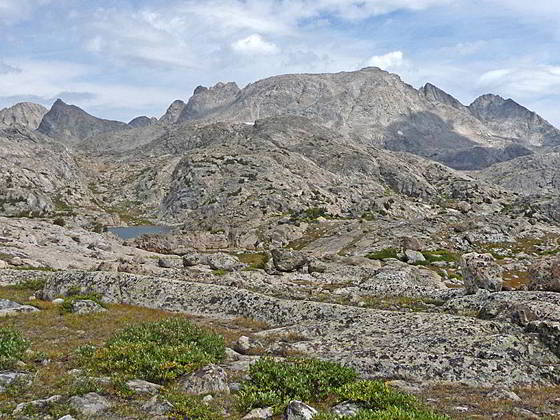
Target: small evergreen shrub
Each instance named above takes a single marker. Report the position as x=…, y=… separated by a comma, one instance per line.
x=157, y=351
x=275, y=383
x=12, y=347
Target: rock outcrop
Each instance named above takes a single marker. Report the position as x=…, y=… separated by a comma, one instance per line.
x=26, y=114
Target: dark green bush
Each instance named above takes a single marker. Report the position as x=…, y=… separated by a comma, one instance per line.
x=12, y=347
x=275, y=383
x=157, y=351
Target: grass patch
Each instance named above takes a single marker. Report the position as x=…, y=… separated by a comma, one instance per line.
x=255, y=260
x=383, y=254
x=31, y=284
x=190, y=407
x=12, y=347
x=440, y=255
x=157, y=351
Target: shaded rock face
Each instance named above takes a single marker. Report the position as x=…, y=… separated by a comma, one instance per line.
x=480, y=271
x=26, y=114
x=69, y=123
x=515, y=121
x=534, y=174
x=173, y=113
x=207, y=100
x=545, y=275
x=142, y=121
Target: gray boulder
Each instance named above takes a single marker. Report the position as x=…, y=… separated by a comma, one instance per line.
x=143, y=387
x=7, y=378
x=413, y=257
x=8, y=308
x=545, y=275
x=480, y=271
x=86, y=306
x=157, y=405
x=346, y=408
x=259, y=413
x=221, y=261
x=193, y=259
x=288, y=260
x=90, y=404
x=209, y=379
x=298, y=410
x=38, y=404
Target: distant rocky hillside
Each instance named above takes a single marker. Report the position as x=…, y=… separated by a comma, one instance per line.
x=25, y=113
x=38, y=176
x=68, y=123
x=535, y=174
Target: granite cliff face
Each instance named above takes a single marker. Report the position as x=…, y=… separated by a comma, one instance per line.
x=68, y=123
x=26, y=114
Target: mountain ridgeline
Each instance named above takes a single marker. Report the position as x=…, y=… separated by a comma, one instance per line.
x=371, y=106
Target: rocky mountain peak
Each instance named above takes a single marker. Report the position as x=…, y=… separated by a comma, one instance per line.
x=513, y=120
x=27, y=114
x=174, y=111
x=434, y=94
x=142, y=121
x=206, y=100
x=69, y=123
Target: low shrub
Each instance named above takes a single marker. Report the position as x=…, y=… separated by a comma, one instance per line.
x=275, y=383
x=157, y=351
x=12, y=347
x=66, y=306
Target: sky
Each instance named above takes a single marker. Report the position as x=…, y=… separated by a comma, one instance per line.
x=121, y=59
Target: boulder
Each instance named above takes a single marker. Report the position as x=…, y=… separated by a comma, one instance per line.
x=143, y=387
x=37, y=404
x=90, y=404
x=480, y=271
x=297, y=410
x=288, y=260
x=346, y=408
x=3, y=264
x=222, y=261
x=7, y=378
x=545, y=275
x=157, y=405
x=259, y=413
x=8, y=308
x=413, y=257
x=86, y=306
x=193, y=259
x=108, y=266
x=209, y=379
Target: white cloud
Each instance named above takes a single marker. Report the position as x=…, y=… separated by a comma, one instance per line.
x=12, y=11
x=523, y=82
x=254, y=44
x=390, y=61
